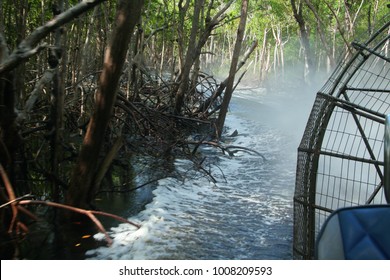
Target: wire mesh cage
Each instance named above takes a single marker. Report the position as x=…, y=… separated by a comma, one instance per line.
x=341, y=154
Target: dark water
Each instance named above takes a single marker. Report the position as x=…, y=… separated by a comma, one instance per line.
x=246, y=214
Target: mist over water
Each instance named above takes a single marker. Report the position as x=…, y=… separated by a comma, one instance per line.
x=248, y=213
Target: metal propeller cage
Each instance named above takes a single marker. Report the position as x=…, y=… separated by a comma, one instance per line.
x=341, y=157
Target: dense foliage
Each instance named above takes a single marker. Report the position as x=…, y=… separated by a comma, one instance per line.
x=179, y=51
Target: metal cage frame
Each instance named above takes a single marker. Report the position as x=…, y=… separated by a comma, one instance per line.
x=341, y=155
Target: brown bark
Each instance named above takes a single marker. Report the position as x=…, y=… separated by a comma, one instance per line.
x=183, y=8
x=233, y=66
x=106, y=163
x=218, y=92
x=91, y=214
x=189, y=59
x=82, y=186
x=195, y=48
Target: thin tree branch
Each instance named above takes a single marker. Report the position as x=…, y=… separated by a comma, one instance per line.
x=11, y=197
x=89, y=213
x=28, y=47
x=16, y=200
x=225, y=149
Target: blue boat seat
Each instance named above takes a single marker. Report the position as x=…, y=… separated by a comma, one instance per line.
x=355, y=233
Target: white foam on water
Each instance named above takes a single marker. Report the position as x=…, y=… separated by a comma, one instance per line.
x=247, y=214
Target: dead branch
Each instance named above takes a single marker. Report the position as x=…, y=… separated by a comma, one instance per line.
x=16, y=203
x=224, y=149
x=199, y=166
x=16, y=199
x=239, y=148
x=89, y=213
x=132, y=189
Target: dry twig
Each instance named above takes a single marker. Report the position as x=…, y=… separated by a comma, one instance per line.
x=16, y=203
x=89, y=213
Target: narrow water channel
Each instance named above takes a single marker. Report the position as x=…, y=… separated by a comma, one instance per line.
x=246, y=214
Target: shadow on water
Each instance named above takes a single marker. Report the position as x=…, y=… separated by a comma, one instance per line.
x=253, y=206
x=51, y=239
x=247, y=213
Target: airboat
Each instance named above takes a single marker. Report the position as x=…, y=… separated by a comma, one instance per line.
x=342, y=187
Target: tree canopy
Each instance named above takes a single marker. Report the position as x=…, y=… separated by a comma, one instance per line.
x=86, y=85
